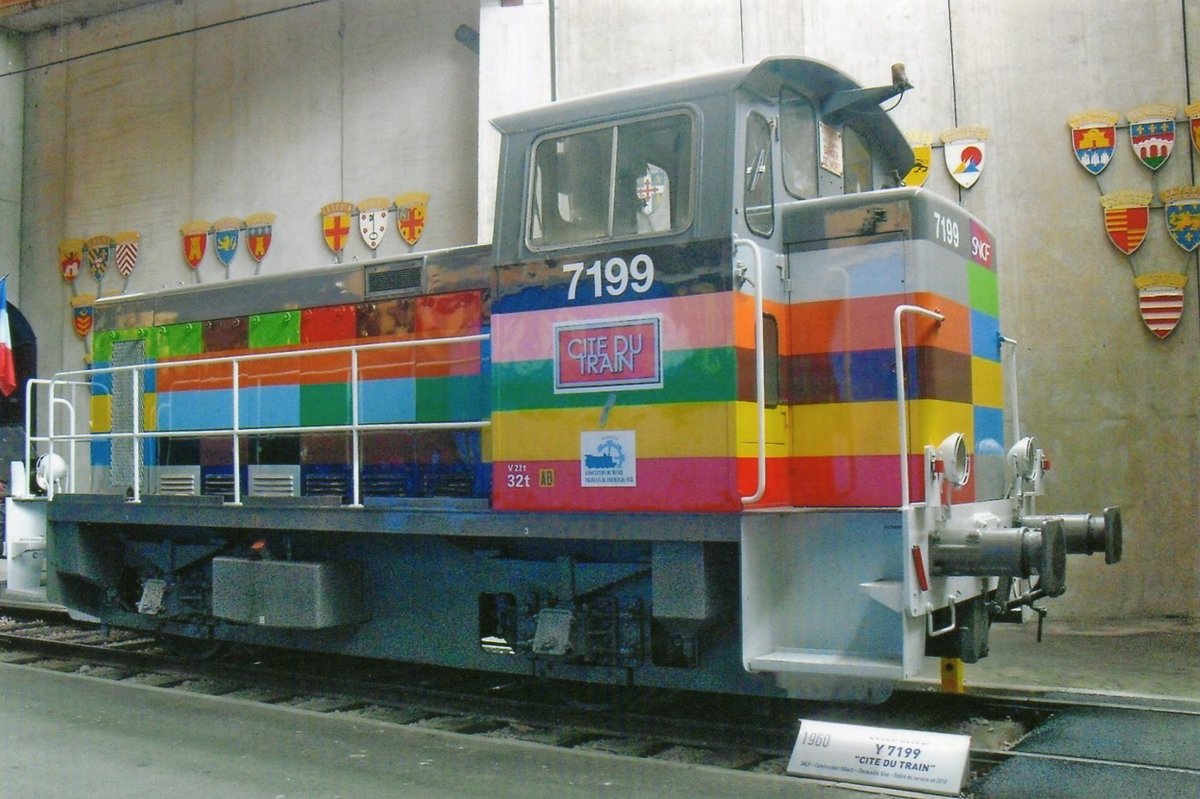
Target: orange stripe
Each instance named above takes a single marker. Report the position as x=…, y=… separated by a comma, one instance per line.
x=743, y=321
x=866, y=324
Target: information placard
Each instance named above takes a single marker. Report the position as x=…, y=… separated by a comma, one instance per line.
x=933, y=762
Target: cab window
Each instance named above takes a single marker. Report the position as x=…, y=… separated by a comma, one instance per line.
x=758, y=191
x=617, y=181
x=798, y=136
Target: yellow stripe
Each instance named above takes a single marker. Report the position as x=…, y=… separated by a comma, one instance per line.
x=101, y=413
x=150, y=411
x=930, y=421
x=680, y=430
x=845, y=428
x=777, y=422
x=870, y=428
x=987, y=383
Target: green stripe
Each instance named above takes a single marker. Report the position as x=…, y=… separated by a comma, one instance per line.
x=102, y=345
x=175, y=341
x=702, y=375
x=451, y=399
x=324, y=404
x=278, y=329
x=983, y=288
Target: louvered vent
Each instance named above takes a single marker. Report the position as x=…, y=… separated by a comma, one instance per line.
x=394, y=279
x=217, y=484
x=326, y=485
x=385, y=485
x=274, y=481
x=178, y=481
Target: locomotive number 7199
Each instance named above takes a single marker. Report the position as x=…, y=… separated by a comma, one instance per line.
x=612, y=277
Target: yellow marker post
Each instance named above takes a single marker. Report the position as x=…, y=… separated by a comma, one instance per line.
x=952, y=676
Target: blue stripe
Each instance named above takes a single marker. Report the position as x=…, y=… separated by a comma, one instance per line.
x=989, y=430
x=196, y=410
x=270, y=406
x=389, y=400
x=985, y=336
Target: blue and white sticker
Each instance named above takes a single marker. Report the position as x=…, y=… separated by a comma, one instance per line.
x=608, y=459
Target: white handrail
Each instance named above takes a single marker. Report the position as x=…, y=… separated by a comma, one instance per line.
x=1016, y=396
x=31, y=439
x=760, y=371
x=901, y=400
x=136, y=434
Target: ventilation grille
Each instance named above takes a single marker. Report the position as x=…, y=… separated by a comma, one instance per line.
x=178, y=481
x=395, y=279
x=218, y=484
x=317, y=484
x=385, y=485
x=274, y=481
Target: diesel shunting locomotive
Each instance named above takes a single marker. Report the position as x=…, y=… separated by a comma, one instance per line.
x=722, y=407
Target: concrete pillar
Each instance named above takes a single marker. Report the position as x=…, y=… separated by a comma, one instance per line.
x=514, y=74
x=12, y=114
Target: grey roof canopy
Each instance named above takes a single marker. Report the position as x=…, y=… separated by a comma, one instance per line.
x=766, y=79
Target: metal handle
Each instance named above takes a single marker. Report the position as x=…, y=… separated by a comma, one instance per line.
x=900, y=311
x=760, y=371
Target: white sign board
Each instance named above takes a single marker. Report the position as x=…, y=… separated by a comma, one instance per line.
x=933, y=762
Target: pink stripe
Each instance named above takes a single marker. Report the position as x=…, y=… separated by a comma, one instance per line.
x=693, y=322
x=695, y=485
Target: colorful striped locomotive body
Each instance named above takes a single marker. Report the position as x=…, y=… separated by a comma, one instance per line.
x=721, y=408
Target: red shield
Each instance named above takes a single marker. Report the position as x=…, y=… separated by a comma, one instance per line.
x=258, y=234
x=1126, y=217
x=195, y=242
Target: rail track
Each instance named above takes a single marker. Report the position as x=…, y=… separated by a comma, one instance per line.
x=1018, y=740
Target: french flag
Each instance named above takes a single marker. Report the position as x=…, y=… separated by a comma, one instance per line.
x=8, y=369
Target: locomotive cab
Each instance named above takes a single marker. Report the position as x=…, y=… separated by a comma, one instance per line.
x=743, y=310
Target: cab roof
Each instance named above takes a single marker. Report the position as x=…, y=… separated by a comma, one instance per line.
x=767, y=79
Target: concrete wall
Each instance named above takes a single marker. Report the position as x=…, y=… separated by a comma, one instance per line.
x=184, y=117
x=1116, y=408
x=12, y=106
x=352, y=98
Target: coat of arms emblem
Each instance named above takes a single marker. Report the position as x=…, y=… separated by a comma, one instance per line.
x=70, y=258
x=226, y=233
x=195, y=242
x=1193, y=114
x=1182, y=207
x=99, y=251
x=258, y=234
x=1160, y=301
x=1126, y=217
x=1152, y=133
x=373, y=220
x=335, y=225
x=82, y=314
x=410, y=215
x=1094, y=138
x=922, y=147
x=127, y=252
x=965, y=150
